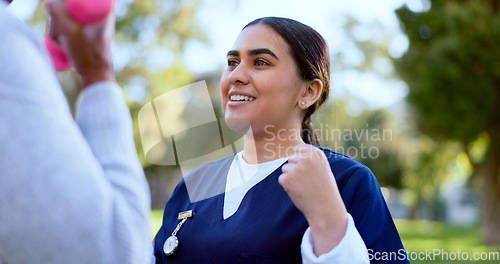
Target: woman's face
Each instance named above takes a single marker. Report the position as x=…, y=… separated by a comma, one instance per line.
x=260, y=86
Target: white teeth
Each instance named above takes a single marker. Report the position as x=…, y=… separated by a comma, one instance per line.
x=241, y=98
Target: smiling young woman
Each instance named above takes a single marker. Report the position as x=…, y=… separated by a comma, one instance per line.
x=284, y=199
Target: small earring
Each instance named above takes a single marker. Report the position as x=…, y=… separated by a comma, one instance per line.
x=310, y=90
x=302, y=103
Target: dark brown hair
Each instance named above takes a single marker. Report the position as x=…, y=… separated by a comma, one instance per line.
x=310, y=53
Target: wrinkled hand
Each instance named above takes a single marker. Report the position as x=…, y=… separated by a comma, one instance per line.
x=309, y=181
x=87, y=46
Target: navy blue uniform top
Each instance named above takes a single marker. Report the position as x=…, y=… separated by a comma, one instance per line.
x=267, y=227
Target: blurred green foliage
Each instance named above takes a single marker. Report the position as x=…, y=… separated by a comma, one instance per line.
x=452, y=67
x=452, y=70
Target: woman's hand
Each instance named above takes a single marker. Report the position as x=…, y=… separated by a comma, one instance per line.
x=87, y=46
x=308, y=180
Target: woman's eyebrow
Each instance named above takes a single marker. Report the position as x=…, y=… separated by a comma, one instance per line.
x=262, y=51
x=253, y=52
x=233, y=53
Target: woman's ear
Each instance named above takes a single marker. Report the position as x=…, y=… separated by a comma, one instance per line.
x=311, y=93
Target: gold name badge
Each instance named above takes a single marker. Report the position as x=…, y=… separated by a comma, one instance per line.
x=185, y=214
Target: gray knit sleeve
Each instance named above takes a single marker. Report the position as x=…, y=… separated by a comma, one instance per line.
x=69, y=192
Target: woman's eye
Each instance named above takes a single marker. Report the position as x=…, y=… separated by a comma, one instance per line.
x=261, y=63
x=232, y=63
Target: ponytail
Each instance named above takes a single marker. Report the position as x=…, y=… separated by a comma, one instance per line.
x=308, y=133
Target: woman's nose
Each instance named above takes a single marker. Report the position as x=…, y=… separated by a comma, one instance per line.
x=239, y=75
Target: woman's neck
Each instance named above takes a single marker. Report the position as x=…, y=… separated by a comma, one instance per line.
x=270, y=144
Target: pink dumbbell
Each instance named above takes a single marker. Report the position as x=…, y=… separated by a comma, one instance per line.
x=85, y=12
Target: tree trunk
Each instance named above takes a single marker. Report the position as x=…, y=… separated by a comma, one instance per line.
x=490, y=215
x=490, y=201
x=413, y=212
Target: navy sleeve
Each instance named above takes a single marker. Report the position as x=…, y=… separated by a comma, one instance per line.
x=364, y=201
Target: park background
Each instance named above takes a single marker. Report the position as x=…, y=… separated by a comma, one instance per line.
x=415, y=96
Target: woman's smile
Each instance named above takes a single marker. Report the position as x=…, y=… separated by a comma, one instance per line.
x=239, y=98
